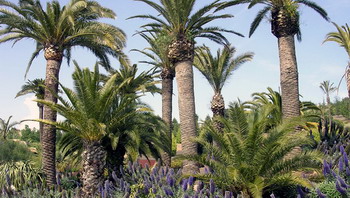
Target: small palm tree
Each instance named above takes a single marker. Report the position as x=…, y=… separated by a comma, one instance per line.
x=342, y=37
x=327, y=89
x=158, y=54
x=251, y=158
x=182, y=24
x=37, y=87
x=284, y=19
x=217, y=70
x=56, y=31
x=6, y=126
x=91, y=111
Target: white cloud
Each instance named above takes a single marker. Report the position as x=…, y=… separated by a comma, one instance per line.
x=33, y=113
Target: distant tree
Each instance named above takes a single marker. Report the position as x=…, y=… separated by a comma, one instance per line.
x=327, y=89
x=11, y=151
x=37, y=87
x=342, y=37
x=6, y=126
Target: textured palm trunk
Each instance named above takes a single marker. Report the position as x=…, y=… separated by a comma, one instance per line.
x=289, y=77
x=94, y=161
x=218, y=109
x=184, y=78
x=41, y=116
x=348, y=79
x=54, y=59
x=167, y=101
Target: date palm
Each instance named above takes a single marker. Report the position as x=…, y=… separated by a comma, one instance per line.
x=183, y=25
x=6, y=126
x=91, y=111
x=157, y=53
x=284, y=19
x=217, y=70
x=56, y=31
x=342, y=37
x=37, y=86
x=327, y=89
x=252, y=157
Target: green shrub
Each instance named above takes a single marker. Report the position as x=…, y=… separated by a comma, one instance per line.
x=341, y=107
x=327, y=188
x=11, y=151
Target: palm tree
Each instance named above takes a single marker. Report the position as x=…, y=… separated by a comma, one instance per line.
x=342, y=37
x=157, y=52
x=327, y=89
x=37, y=86
x=6, y=126
x=217, y=69
x=284, y=25
x=177, y=19
x=252, y=157
x=56, y=31
x=91, y=111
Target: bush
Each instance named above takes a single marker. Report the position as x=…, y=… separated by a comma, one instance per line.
x=11, y=151
x=341, y=107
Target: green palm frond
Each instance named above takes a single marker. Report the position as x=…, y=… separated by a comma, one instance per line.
x=252, y=156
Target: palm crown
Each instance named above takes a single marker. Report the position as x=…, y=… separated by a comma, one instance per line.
x=217, y=69
x=61, y=28
x=287, y=10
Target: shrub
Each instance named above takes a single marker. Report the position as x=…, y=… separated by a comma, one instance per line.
x=11, y=151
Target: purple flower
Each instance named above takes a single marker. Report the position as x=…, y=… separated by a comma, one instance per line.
x=326, y=169
x=301, y=193
x=341, y=148
x=8, y=179
x=320, y=194
x=212, y=186
x=190, y=181
x=347, y=171
x=272, y=195
x=58, y=179
x=170, y=180
x=341, y=165
x=342, y=182
x=339, y=188
x=121, y=170
x=114, y=176
x=168, y=191
x=184, y=184
x=200, y=186
x=334, y=174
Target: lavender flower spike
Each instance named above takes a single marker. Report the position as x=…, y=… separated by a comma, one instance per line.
x=212, y=186
x=340, y=189
x=320, y=194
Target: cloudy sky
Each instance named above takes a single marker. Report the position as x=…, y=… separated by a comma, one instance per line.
x=317, y=62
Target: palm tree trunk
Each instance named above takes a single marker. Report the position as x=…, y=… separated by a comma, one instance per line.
x=218, y=109
x=49, y=131
x=184, y=78
x=289, y=77
x=41, y=116
x=94, y=161
x=167, y=101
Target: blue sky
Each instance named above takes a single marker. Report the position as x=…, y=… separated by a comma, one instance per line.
x=316, y=61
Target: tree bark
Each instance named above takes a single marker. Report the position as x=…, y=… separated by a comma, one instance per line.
x=49, y=131
x=184, y=78
x=289, y=77
x=167, y=101
x=218, y=109
x=94, y=161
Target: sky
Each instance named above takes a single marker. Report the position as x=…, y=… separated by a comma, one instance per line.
x=317, y=61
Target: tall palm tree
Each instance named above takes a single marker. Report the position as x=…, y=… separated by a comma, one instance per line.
x=217, y=70
x=327, y=89
x=178, y=20
x=6, y=126
x=284, y=19
x=157, y=52
x=342, y=37
x=91, y=111
x=37, y=86
x=56, y=31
